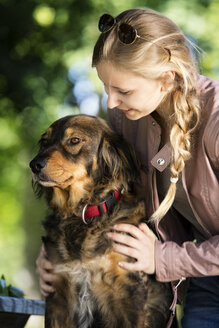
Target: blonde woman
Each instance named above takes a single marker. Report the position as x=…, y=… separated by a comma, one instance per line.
x=158, y=102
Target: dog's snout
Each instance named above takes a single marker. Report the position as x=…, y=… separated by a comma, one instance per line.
x=37, y=165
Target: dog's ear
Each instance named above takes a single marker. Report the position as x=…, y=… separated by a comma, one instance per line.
x=118, y=160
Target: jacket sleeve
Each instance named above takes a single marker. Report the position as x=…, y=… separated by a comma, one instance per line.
x=173, y=262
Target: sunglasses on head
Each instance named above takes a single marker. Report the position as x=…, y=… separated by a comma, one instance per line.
x=127, y=34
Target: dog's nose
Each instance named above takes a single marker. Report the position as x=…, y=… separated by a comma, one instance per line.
x=37, y=165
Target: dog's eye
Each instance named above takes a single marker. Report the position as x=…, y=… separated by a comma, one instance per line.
x=74, y=141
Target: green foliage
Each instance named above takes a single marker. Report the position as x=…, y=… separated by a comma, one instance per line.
x=9, y=290
x=199, y=19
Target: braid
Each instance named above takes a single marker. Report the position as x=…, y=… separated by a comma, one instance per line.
x=186, y=118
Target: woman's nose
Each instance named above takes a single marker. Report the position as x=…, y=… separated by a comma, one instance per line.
x=112, y=101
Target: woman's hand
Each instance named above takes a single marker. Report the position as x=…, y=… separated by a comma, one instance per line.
x=139, y=245
x=44, y=270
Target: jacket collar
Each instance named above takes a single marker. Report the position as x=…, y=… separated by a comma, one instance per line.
x=162, y=159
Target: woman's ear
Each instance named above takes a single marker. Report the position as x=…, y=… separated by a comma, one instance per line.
x=167, y=79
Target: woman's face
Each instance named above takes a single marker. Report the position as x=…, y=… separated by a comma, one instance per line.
x=134, y=95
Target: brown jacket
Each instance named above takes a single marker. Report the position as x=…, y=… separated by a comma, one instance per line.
x=176, y=256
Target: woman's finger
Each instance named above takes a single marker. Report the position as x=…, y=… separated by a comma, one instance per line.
x=45, y=269
x=146, y=230
x=125, y=250
x=47, y=277
x=130, y=266
x=124, y=239
x=46, y=289
x=129, y=228
x=47, y=265
x=42, y=262
x=46, y=281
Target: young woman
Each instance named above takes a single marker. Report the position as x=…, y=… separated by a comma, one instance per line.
x=158, y=102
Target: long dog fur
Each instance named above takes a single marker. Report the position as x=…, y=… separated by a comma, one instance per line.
x=80, y=161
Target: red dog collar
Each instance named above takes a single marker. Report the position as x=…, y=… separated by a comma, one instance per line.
x=90, y=211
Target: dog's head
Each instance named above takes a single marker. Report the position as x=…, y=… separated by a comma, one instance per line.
x=81, y=158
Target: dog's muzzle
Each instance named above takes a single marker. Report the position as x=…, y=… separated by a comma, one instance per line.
x=37, y=164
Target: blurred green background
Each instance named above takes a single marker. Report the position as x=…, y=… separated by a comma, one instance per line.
x=45, y=73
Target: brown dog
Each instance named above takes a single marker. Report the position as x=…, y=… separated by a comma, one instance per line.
x=87, y=173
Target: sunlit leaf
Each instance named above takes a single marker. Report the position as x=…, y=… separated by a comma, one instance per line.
x=44, y=15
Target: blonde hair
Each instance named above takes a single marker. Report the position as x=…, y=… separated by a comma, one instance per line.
x=167, y=49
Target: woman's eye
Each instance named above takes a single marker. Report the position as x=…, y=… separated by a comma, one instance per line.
x=124, y=93
x=74, y=141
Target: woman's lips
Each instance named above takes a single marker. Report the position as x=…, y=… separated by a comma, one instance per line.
x=125, y=111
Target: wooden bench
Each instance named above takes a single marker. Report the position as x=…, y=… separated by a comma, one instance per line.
x=14, y=312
